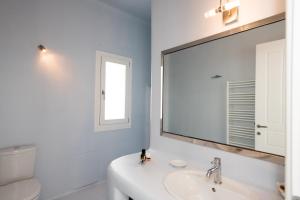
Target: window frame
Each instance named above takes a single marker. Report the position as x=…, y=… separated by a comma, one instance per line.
x=100, y=123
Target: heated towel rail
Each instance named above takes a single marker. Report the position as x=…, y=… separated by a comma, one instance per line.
x=241, y=113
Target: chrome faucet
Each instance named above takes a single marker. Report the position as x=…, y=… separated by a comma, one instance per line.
x=216, y=170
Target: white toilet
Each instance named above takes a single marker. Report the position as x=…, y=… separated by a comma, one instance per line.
x=16, y=174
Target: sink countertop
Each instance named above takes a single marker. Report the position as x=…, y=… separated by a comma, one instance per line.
x=146, y=182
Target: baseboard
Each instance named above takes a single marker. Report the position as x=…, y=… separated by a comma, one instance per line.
x=77, y=190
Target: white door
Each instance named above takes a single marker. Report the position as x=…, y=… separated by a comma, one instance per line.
x=270, y=106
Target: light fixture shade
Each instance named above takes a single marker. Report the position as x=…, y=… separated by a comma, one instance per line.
x=231, y=4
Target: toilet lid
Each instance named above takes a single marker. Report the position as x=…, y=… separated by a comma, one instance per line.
x=21, y=190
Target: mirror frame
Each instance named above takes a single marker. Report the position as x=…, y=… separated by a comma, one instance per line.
x=220, y=146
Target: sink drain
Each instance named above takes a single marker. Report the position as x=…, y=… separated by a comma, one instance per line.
x=213, y=189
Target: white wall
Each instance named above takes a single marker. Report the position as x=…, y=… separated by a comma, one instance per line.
x=51, y=104
x=296, y=100
x=175, y=22
x=293, y=156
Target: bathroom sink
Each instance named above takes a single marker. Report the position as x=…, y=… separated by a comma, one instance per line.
x=194, y=185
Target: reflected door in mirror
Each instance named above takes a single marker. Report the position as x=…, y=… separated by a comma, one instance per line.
x=270, y=97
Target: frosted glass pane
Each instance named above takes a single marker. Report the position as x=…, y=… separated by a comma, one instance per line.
x=115, y=91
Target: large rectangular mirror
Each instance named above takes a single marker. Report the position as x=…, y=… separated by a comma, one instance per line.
x=229, y=88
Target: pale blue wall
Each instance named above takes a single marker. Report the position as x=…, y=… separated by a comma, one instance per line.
x=54, y=110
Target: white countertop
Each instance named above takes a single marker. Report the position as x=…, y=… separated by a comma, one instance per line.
x=145, y=182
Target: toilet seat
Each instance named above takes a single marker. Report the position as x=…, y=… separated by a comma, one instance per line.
x=22, y=190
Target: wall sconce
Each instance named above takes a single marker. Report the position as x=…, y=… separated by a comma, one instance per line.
x=216, y=76
x=229, y=10
x=42, y=48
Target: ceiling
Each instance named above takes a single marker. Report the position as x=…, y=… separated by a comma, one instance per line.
x=138, y=8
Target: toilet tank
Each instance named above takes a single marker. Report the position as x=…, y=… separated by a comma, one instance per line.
x=16, y=163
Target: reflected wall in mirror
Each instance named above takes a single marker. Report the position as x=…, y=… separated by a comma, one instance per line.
x=230, y=90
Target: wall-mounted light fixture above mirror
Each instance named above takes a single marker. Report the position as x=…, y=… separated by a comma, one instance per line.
x=229, y=10
x=228, y=90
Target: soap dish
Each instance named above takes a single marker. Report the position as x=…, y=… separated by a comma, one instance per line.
x=178, y=163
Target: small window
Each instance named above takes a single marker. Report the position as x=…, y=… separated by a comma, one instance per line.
x=112, y=92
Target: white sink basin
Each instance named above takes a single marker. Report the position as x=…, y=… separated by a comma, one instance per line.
x=193, y=185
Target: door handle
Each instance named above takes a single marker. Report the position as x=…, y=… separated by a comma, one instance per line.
x=260, y=126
